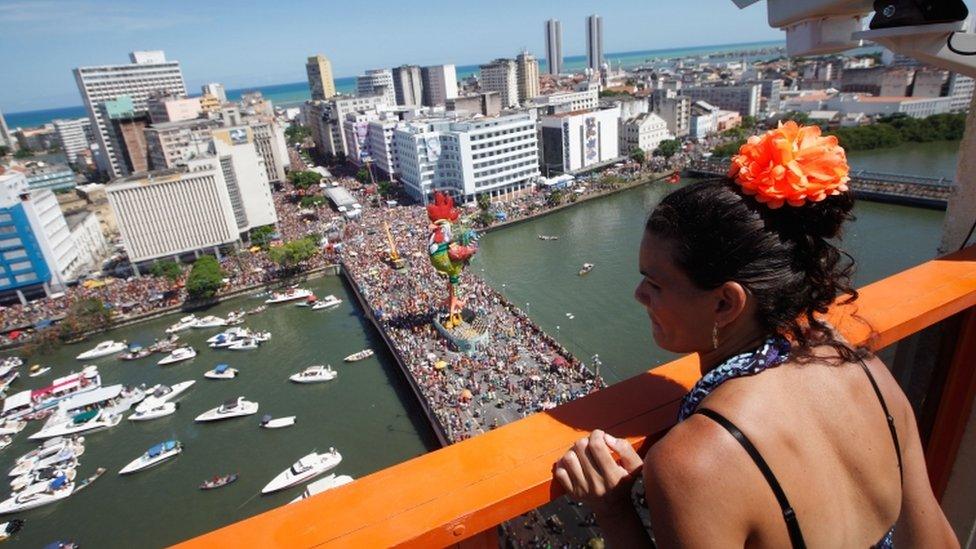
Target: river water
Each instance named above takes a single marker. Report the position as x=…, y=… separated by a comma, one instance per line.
x=368, y=414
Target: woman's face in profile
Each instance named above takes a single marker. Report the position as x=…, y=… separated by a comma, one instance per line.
x=682, y=315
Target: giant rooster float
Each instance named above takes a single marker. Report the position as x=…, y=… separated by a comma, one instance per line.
x=450, y=249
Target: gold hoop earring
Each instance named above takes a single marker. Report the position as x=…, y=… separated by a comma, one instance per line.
x=714, y=336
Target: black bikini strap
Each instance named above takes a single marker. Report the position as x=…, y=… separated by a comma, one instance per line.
x=792, y=525
x=888, y=418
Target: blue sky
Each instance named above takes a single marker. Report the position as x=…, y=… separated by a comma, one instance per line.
x=256, y=43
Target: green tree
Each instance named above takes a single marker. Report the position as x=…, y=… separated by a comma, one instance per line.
x=292, y=253
x=84, y=315
x=555, y=197
x=262, y=236
x=166, y=269
x=727, y=149
x=385, y=188
x=668, y=148
x=484, y=202
x=748, y=122
x=304, y=179
x=23, y=153
x=363, y=176
x=311, y=201
x=800, y=118
x=297, y=134
x=205, y=278
x=637, y=155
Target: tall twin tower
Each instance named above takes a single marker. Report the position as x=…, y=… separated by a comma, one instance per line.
x=594, y=44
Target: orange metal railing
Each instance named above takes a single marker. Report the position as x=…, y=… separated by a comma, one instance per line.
x=457, y=492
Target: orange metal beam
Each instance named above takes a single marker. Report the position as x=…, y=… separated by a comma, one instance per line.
x=448, y=495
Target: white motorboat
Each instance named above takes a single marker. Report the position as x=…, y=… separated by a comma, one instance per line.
x=235, y=318
x=236, y=407
x=365, y=353
x=321, y=485
x=185, y=323
x=104, y=348
x=87, y=422
x=12, y=362
x=66, y=454
x=210, y=321
x=178, y=355
x=247, y=344
x=315, y=374
x=268, y=422
x=159, y=394
x=51, y=447
x=229, y=333
x=587, y=267
x=44, y=474
x=221, y=371
x=288, y=295
x=12, y=427
x=5, y=441
x=304, y=469
x=39, y=372
x=46, y=493
x=257, y=310
x=260, y=337
x=157, y=410
x=153, y=456
x=330, y=302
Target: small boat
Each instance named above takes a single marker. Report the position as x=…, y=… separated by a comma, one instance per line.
x=38, y=415
x=9, y=378
x=234, y=316
x=178, y=355
x=304, y=469
x=12, y=362
x=268, y=423
x=95, y=420
x=44, y=494
x=158, y=410
x=65, y=455
x=365, y=353
x=260, y=337
x=230, y=333
x=323, y=484
x=44, y=474
x=165, y=345
x=587, y=267
x=12, y=427
x=314, y=374
x=185, y=323
x=9, y=528
x=330, y=302
x=257, y=310
x=218, y=482
x=5, y=441
x=288, y=295
x=154, y=456
x=163, y=393
x=209, y=321
x=247, y=344
x=222, y=371
x=51, y=447
x=88, y=481
x=548, y=237
x=37, y=370
x=135, y=353
x=103, y=349
x=236, y=407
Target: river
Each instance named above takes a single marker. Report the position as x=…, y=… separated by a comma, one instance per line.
x=368, y=413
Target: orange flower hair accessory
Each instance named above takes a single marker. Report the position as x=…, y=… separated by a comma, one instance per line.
x=791, y=165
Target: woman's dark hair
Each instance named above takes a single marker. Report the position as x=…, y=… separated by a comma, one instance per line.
x=783, y=257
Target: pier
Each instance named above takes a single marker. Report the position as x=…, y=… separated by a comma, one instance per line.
x=906, y=190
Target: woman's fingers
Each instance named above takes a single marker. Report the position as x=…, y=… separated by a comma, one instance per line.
x=630, y=460
x=601, y=457
x=571, y=464
x=594, y=477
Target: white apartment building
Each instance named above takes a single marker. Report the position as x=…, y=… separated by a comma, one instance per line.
x=578, y=141
x=326, y=120
x=742, y=99
x=501, y=75
x=88, y=240
x=961, y=91
x=496, y=156
x=173, y=143
x=269, y=140
x=916, y=107
x=149, y=71
x=356, y=130
x=438, y=83
x=379, y=137
x=171, y=212
x=245, y=176
x=75, y=136
x=527, y=73
x=555, y=103
x=644, y=131
x=172, y=108
x=377, y=82
x=704, y=119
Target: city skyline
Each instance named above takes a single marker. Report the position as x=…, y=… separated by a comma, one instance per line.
x=102, y=33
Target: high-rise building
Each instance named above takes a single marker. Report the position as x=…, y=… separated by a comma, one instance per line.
x=501, y=76
x=148, y=71
x=163, y=107
x=468, y=158
x=327, y=118
x=561, y=102
x=215, y=89
x=484, y=103
x=171, y=144
x=594, y=42
x=377, y=82
x=554, y=46
x=5, y=138
x=320, y=80
x=126, y=127
x=439, y=83
x=408, y=86
x=527, y=75
x=75, y=136
x=580, y=140
x=674, y=109
x=246, y=177
x=741, y=99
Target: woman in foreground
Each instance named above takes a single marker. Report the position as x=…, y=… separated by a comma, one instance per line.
x=791, y=437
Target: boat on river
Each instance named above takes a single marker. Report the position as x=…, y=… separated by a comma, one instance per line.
x=160, y=393
x=86, y=422
x=103, y=349
x=246, y=344
x=155, y=411
x=45, y=474
x=304, y=469
x=228, y=334
x=218, y=482
x=9, y=528
x=12, y=427
x=548, y=237
x=184, y=323
x=49, y=448
x=236, y=407
x=37, y=370
x=65, y=454
x=165, y=345
x=88, y=481
x=355, y=357
x=236, y=318
x=135, y=352
x=153, y=456
x=587, y=267
x=321, y=485
x=268, y=422
x=329, y=302
x=221, y=371
x=209, y=321
x=314, y=374
x=288, y=295
x=30, y=402
x=45, y=494
x=178, y=355
x=257, y=310
x=5, y=440
x=12, y=362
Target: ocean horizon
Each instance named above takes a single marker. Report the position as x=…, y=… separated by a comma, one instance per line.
x=293, y=93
